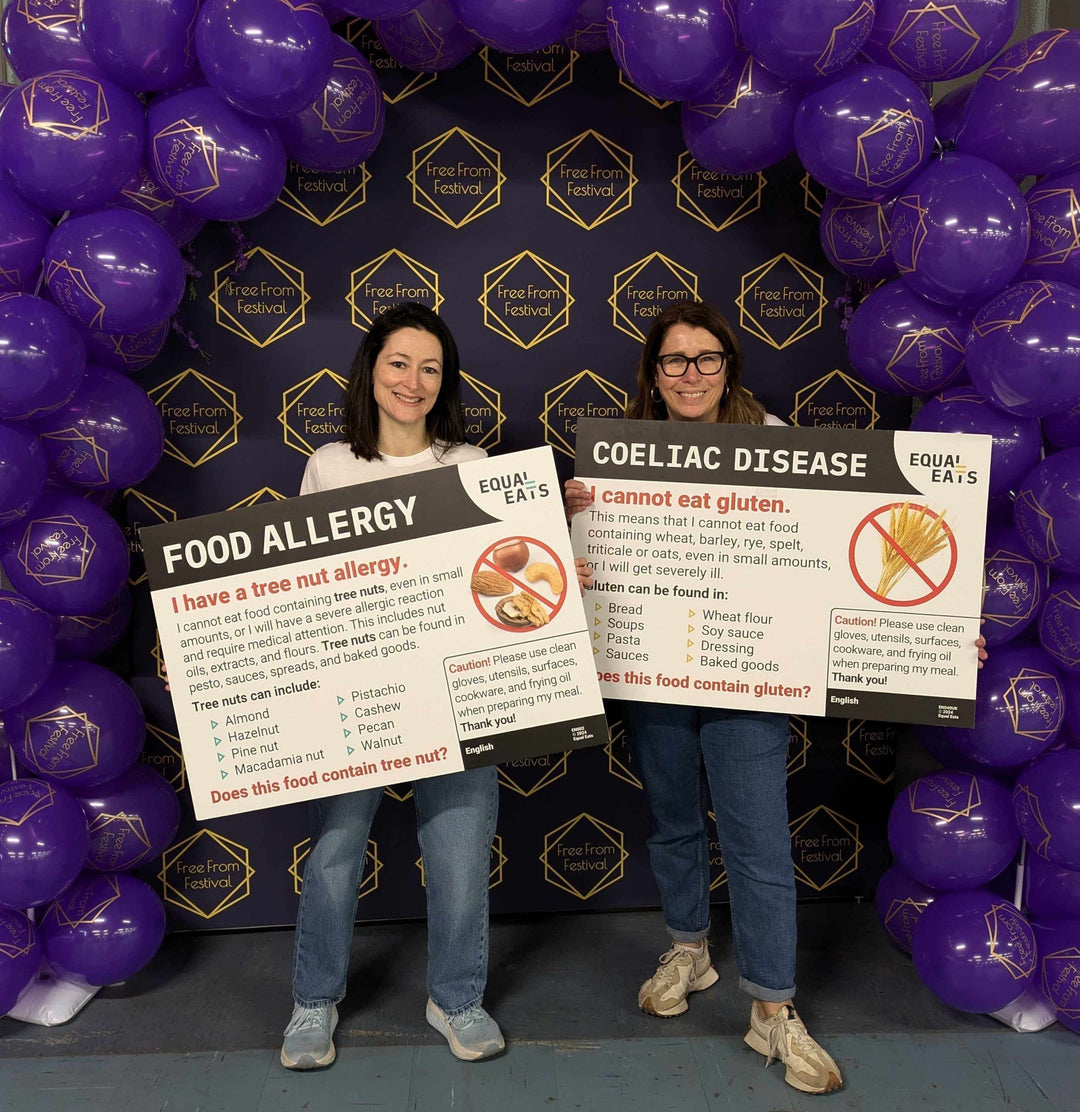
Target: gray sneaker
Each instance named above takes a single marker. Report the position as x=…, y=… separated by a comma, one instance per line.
x=309, y=1038
x=471, y=1034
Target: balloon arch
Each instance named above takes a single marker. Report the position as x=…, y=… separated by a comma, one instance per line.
x=136, y=121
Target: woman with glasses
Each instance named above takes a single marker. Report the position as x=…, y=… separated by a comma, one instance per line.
x=690, y=370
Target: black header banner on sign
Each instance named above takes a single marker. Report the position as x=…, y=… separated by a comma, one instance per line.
x=804, y=459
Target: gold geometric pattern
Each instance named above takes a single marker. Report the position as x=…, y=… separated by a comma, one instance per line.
x=814, y=291
x=294, y=438
x=188, y=863
x=1018, y=696
x=983, y=326
x=626, y=83
x=1062, y=967
x=556, y=770
x=610, y=844
x=118, y=825
x=188, y=146
x=226, y=310
x=916, y=339
x=866, y=396
x=91, y=451
x=355, y=197
x=384, y=296
x=53, y=90
x=858, y=762
x=875, y=171
x=616, y=765
x=1016, y=932
x=44, y=13
x=324, y=105
x=720, y=879
x=171, y=744
x=159, y=513
x=76, y=539
x=879, y=238
x=361, y=34
x=940, y=16
x=38, y=798
x=909, y=209
x=225, y=440
x=848, y=832
x=620, y=165
x=799, y=745
x=258, y=498
x=487, y=165
x=490, y=400
x=1027, y=498
x=1011, y=559
x=560, y=79
x=862, y=16
x=684, y=282
x=1056, y=637
x=685, y=203
x=1071, y=230
x=1032, y=807
x=813, y=196
x=67, y=915
x=555, y=395
x=1002, y=70
x=555, y=296
x=19, y=938
x=64, y=730
x=68, y=286
x=966, y=799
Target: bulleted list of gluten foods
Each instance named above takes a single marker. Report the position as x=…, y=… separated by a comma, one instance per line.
x=398, y=629
x=809, y=571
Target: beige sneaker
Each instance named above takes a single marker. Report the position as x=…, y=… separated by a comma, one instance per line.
x=810, y=1069
x=682, y=970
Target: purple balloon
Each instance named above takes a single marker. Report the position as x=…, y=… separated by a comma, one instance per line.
x=948, y=112
x=1047, y=802
x=587, y=33
x=27, y=649
x=866, y=133
x=1059, y=623
x=1050, y=891
x=82, y=727
x=1014, y=584
x=42, y=357
x=1063, y=429
x=144, y=193
x=23, y=234
x=225, y=165
x=516, y=26
x=127, y=352
x=104, y=928
x=855, y=237
x=744, y=121
x=344, y=125
x=67, y=556
x=1017, y=440
x=109, y=435
x=1059, y=967
x=144, y=45
x=939, y=42
x=960, y=231
x=1071, y=686
x=974, y=951
x=87, y=636
x=670, y=49
x=265, y=57
x=20, y=957
x=44, y=842
x=1019, y=708
x=800, y=41
x=1047, y=511
x=1022, y=352
x=43, y=35
x=131, y=819
x=428, y=38
x=1024, y=113
x=22, y=472
x=936, y=742
x=953, y=829
x=375, y=9
x=114, y=271
x=904, y=344
x=900, y=901
x=1054, y=207
x=70, y=140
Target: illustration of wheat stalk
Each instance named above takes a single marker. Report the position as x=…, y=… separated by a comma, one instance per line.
x=918, y=534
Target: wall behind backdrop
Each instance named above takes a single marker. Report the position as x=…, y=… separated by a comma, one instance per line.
x=548, y=212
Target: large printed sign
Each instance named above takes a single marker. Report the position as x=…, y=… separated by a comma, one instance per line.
x=399, y=629
x=824, y=572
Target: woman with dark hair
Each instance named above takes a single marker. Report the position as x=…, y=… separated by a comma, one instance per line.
x=402, y=415
x=690, y=370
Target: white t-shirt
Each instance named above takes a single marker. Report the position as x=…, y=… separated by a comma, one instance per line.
x=334, y=465
x=771, y=420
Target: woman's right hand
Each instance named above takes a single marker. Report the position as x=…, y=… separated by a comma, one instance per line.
x=577, y=497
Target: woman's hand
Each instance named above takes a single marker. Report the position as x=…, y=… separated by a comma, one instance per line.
x=165, y=676
x=577, y=497
x=980, y=644
x=584, y=572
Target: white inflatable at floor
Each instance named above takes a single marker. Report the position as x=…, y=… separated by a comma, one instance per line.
x=50, y=1000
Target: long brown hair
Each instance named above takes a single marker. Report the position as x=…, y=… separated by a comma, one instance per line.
x=737, y=406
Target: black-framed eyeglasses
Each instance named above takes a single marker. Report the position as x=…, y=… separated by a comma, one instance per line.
x=677, y=364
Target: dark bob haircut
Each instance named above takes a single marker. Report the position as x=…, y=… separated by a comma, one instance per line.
x=445, y=423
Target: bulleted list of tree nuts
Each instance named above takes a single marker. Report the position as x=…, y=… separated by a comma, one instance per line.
x=808, y=571
x=374, y=634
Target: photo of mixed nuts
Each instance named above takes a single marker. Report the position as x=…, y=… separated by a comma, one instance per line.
x=518, y=584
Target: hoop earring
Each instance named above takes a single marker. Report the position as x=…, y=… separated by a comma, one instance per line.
x=654, y=393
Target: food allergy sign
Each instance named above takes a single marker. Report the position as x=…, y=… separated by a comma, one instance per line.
x=832, y=572
x=399, y=629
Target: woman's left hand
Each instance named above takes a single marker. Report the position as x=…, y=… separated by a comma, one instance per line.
x=980, y=644
x=584, y=573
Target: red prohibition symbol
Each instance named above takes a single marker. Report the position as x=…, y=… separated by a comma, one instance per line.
x=872, y=527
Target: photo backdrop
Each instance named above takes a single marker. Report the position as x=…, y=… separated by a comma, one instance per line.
x=548, y=211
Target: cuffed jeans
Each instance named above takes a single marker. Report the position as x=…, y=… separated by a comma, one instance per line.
x=456, y=824
x=745, y=754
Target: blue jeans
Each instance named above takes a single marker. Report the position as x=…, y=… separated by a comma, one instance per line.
x=746, y=763
x=456, y=824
